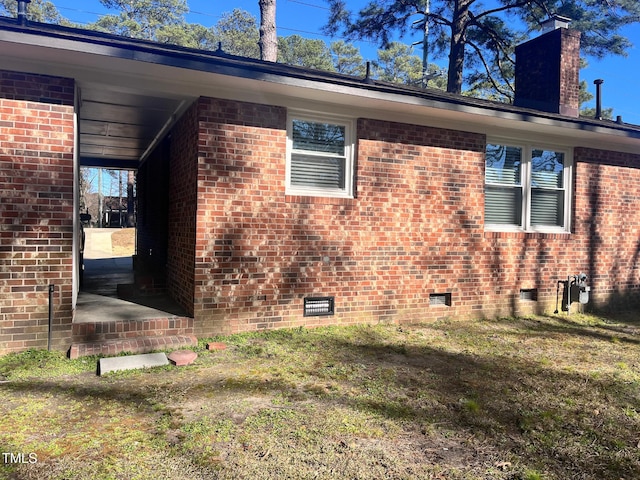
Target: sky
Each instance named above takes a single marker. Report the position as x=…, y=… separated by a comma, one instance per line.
x=620, y=91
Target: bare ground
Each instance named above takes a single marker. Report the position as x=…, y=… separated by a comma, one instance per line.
x=123, y=242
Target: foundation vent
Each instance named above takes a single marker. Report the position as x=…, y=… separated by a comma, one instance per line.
x=440, y=299
x=318, y=306
x=529, y=294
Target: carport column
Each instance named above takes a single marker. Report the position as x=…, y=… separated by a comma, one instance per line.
x=37, y=179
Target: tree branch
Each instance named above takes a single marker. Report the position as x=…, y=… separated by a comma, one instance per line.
x=440, y=19
x=493, y=82
x=504, y=8
x=500, y=43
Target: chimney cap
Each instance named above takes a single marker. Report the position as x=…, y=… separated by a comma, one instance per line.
x=554, y=22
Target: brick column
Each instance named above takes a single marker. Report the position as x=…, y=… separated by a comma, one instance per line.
x=36, y=209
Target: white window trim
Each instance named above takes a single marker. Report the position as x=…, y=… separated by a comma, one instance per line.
x=567, y=178
x=349, y=124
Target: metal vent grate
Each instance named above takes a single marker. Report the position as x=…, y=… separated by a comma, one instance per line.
x=530, y=294
x=318, y=306
x=440, y=299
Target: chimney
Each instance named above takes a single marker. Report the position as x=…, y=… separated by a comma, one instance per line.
x=548, y=69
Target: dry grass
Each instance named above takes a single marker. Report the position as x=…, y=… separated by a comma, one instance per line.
x=123, y=242
x=513, y=399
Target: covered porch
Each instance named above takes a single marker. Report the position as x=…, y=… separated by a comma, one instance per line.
x=113, y=316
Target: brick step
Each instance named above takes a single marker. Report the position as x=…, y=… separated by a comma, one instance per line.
x=141, y=344
x=127, y=329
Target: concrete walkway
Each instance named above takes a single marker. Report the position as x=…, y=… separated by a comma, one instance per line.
x=97, y=242
x=102, y=271
x=102, y=275
x=98, y=308
x=98, y=299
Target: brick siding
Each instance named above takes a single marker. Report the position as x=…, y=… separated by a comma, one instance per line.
x=36, y=208
x=242, y=255
x=240, y=246
x=183, y=198
x=607, y=222
x=415, y=228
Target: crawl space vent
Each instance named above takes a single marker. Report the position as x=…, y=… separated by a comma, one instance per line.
x=530, y=294
x=440, y=299
x=318, y=306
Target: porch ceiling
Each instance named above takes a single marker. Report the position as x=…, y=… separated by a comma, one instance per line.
x=117, y=128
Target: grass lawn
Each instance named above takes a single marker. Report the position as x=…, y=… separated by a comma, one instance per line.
x=517, y=399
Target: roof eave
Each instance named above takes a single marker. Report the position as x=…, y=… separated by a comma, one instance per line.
x=116, y=47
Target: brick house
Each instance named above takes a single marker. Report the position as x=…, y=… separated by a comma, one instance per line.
x=268, y=193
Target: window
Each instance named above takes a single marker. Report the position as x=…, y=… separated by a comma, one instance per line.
x=527, y=187
x=319, y=156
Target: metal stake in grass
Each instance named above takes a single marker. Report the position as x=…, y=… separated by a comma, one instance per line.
x=51, y=290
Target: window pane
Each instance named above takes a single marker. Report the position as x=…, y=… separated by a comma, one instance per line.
x=547, y=207
x=503, y=164
x=318, y=137
x=321, y=172
x=547, y=168
x=503, y=206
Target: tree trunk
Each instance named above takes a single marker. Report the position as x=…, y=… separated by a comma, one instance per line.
x=456, y=53
x=268, y=42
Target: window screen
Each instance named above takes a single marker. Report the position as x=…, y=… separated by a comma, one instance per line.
x=503, y=194
x=547, y=188
x=526, y=187
x=318, y=158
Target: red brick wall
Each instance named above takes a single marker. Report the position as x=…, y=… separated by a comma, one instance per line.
x=242, y=243
x=418, y=210
x=36, y=208
x=607, y=222
x=415, y=228
x=605, y=241
x=183, y=193
x=570, y=73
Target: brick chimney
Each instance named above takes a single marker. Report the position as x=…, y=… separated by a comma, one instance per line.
x=548, y=70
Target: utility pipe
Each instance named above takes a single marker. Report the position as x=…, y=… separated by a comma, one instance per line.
x=598, y=83
x=22, y=11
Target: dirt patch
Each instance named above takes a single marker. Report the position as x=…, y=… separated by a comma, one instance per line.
x=123, y=242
